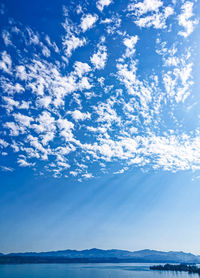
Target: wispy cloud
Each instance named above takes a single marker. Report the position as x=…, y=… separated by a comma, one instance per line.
x=6, y=169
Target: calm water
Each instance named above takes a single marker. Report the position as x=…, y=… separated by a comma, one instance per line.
x=130, y=270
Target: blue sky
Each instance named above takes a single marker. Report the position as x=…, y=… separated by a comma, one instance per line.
x=100, y=134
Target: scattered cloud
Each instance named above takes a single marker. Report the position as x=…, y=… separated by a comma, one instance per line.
x=145, y=6
x=150, y=13
x=157, y=20
x=103, y=3
x=130, y=43
x=88, y=21
x=6, y=169
x=88, y=176
x=71, y=40
x=185, y=21
x=23, y=163
x=5, y=62
x=99, y=58
x=3, y=143
x=78, y=115
x=6, y=37
x=118, y=99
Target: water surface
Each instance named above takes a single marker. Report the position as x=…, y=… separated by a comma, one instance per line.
x=122, y=270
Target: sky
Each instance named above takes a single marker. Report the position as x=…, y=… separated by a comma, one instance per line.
x=99, y=125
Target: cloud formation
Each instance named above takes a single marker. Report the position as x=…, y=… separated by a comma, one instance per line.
x=103, y=95
x=103, y=3
x=88, y=21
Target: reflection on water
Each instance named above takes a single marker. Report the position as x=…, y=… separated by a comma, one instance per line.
x=126, y=270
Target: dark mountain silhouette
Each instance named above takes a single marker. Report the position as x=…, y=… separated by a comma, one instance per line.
x=112, y=255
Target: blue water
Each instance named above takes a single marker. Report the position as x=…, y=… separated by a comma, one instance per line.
x=126, y=270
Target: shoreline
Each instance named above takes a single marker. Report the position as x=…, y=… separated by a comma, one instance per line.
x=63, y=260
x=190, y=268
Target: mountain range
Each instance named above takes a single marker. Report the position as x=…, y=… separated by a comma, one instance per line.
x=98, y=255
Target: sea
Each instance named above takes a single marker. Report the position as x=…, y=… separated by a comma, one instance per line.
x=100, y=270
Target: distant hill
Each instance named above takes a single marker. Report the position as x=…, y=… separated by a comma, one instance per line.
x=114, y=254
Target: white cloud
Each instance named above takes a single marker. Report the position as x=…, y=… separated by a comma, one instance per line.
x=46, y=77
x=24, y=105
x=73, y=173
x=79, y=9
x=121, y=171
x=51, y=97
x=88, y=21
x=31, y=152
x=23, y=163
x=178, y=80
x=87, y=176
x=173, y=153
x=14, y=128
x=63, y=165
x=106, y=21
x=66, y=127
x=81, y=68
x=23, y=120
x=14, y=146
x=71, y=40
x=6, y=37
x=71, y=43
x=33, y=38
x=100, y=57
x=3, y=143
x=46, y=127
x=78, y=115
x=6, y=169
x=5, y=62
x=150, y=13
x=52, y=44
x=107, y=114
x=157, y=20
x=130, y=43
x=44, y=101
x=84, y=84
x=102, y=3
x=38, y=147
x=46, y=52
x=185, y=21
x=10, y=103
x=10, y=88
x=145, y=6
x=21, y=72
